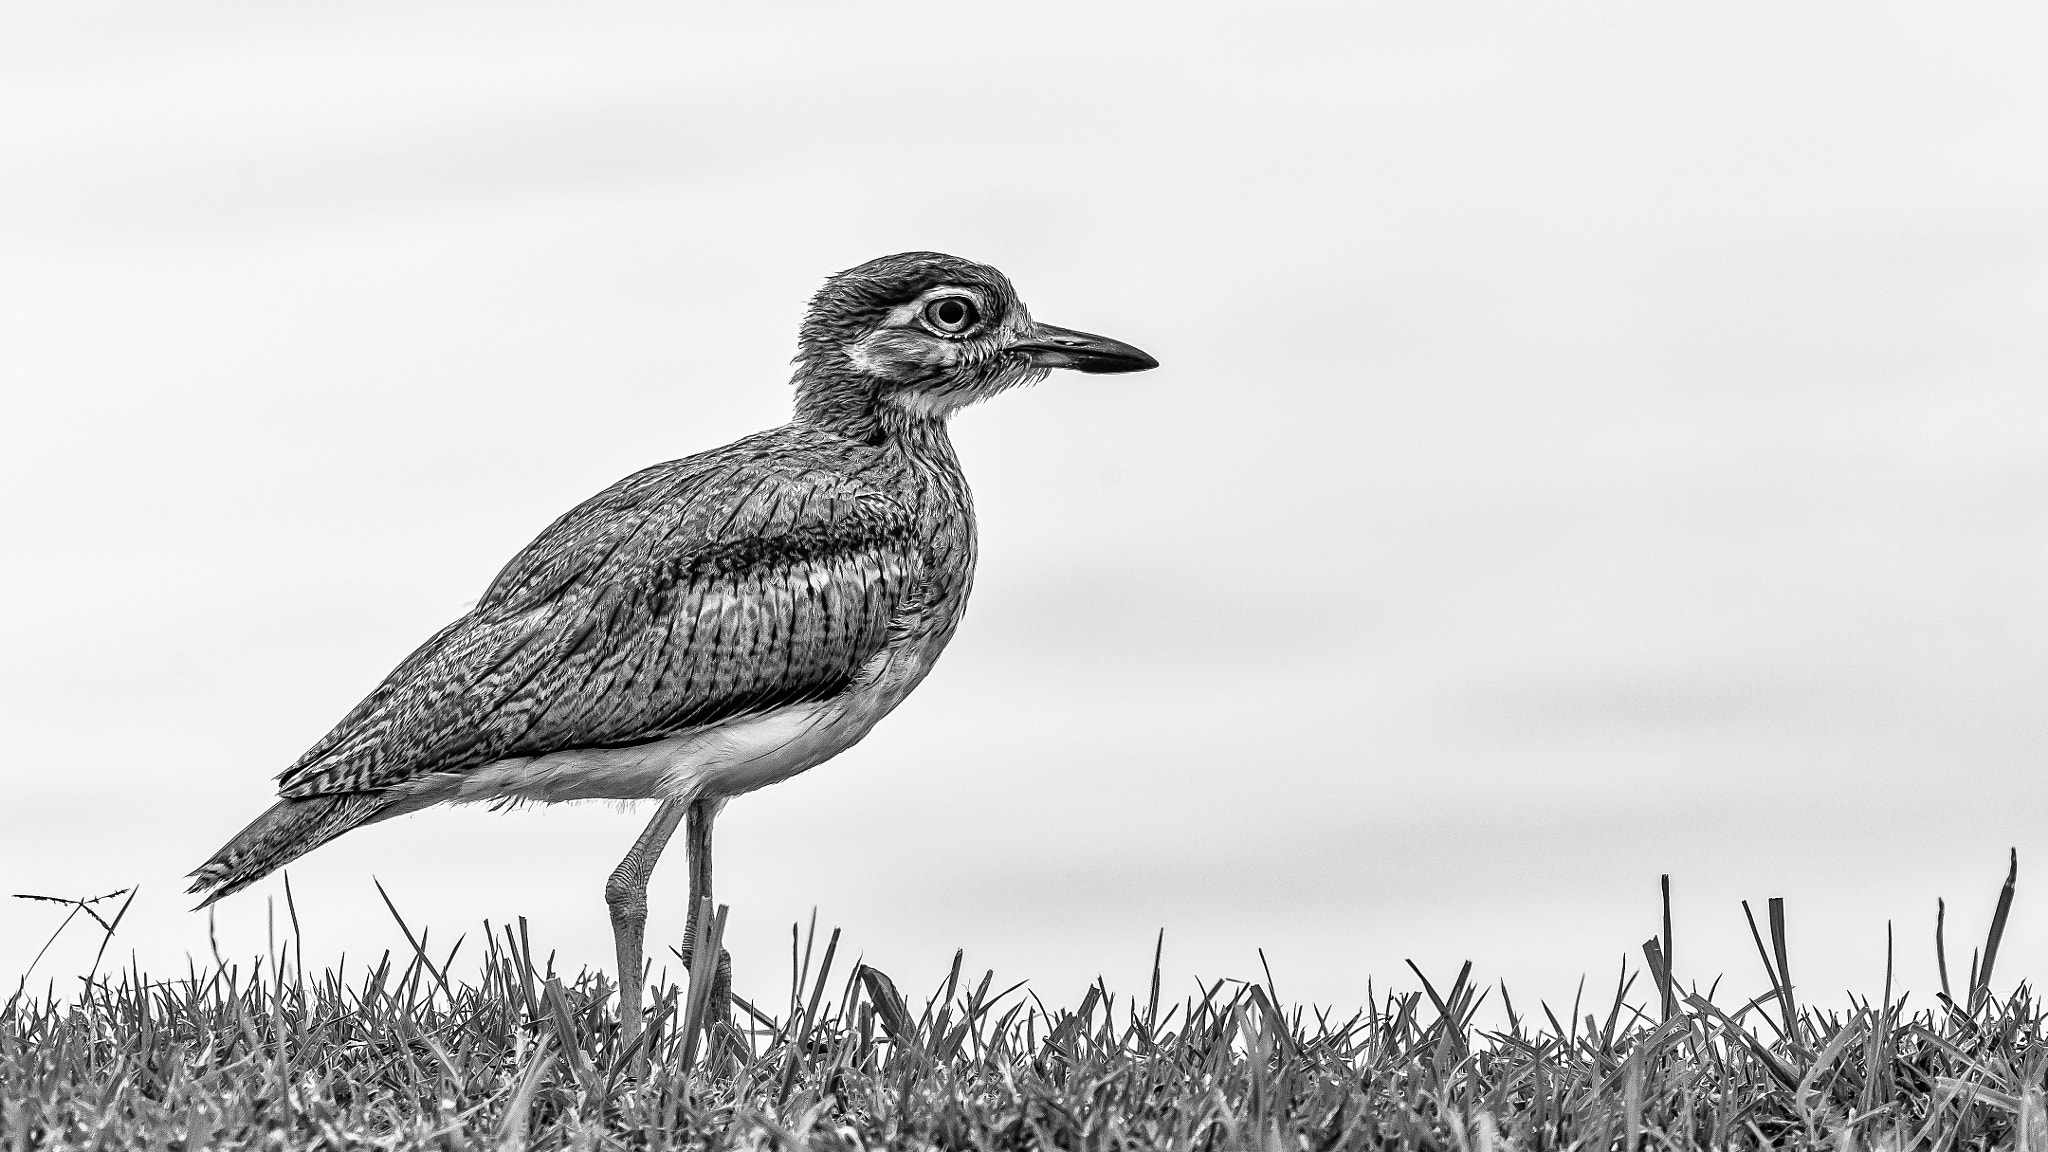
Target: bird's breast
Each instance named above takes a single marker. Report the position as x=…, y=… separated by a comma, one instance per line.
x=749, y=752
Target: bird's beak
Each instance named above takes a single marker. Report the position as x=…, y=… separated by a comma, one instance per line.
x=1051, y=347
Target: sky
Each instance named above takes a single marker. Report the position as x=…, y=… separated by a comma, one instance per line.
x=1592, y=442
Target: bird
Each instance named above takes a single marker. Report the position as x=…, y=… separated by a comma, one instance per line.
x=710, y=625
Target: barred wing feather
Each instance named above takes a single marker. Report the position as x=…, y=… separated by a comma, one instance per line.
x=693, y=592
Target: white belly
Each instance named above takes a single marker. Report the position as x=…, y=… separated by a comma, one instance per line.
x=724, y=760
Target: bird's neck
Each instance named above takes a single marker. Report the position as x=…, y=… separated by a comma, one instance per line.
x=853, y=407
x=922, y=436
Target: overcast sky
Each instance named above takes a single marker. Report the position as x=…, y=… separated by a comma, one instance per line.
x=1592, y=441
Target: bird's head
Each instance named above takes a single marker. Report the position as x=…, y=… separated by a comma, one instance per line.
x=922, y=335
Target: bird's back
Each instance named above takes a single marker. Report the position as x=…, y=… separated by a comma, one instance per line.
x=762, y=575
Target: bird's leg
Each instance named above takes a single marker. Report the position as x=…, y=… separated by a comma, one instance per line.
x=626, y=894
x=702, y=812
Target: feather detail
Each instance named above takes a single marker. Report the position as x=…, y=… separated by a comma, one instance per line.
x=761, y=575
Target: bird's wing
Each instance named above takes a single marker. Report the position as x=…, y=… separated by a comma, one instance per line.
x=693, y=592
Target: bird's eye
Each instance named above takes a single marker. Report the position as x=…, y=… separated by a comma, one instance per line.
x=950, y=314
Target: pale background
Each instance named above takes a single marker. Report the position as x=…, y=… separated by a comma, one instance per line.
x=1592, y=441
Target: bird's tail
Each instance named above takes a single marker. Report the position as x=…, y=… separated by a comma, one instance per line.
x=289, y=830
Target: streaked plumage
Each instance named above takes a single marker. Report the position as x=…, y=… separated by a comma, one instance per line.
x=712, y=624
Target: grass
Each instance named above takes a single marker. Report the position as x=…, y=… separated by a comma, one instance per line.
x=402, y=1056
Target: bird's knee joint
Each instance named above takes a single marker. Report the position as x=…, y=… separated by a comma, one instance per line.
x=627, y=903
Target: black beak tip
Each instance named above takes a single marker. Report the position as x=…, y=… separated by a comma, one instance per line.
x=1132, y=360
